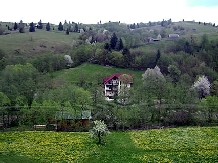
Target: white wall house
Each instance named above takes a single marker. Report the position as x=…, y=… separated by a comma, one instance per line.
x=113, y=84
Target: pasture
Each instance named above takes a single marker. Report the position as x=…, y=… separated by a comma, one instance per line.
x=188, y=144
x=93, y=72
x=41, y=41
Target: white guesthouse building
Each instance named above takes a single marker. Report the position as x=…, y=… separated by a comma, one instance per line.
x=113, y=84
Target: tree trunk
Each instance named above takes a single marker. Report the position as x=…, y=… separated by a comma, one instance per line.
x=99, y=138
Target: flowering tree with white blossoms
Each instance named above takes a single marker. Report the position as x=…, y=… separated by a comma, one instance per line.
x=68, y=60
x=100, y=129
x=202, y=85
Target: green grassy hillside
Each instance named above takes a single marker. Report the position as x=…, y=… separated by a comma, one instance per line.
x=41, y=41
x=192, y=144
x=93, y=72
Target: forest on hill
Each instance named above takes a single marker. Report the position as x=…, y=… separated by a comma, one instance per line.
x=46, y=69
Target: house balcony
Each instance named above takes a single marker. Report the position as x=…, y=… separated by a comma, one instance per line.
x=113, y=83
x=107, y=88
x=109, y=94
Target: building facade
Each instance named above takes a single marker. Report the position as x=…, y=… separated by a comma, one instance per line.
x=114, y=83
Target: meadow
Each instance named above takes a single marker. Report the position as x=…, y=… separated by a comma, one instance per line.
x=32, y=43
x=187, y=144
x=91, y=72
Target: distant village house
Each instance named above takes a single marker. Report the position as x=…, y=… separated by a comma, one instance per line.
x=173, y=36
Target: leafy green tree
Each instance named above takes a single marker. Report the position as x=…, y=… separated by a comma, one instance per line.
x=210, y=103
x=4, y=103
x=117, y=59
x=174, y=73
x=60, y=27
x=81, y=54
x=124, y=92
x=2, y=59
x=32, y=27
x=100, y=129
x=113, y=41
x=82, y=97
x=60, y=94
x=19, y=80
x=163, y=33
x=155, y=89
x=204, y=42
x=214, y=88
x=49, y=109
x=4, y=100
x=49, y=63
x=48, y=27
x=96, y=90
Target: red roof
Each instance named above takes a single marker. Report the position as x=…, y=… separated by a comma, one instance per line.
x=114, y=75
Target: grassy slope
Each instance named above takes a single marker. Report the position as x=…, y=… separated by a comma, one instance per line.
x=31, y=43
x=201, y=29
x=189, y=144
x=89, y=70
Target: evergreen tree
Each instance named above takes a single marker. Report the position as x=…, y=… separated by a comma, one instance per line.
x=1, y=30
x=127, y=57
x=21, y=28
x=15, y=26
x=107, y=46
x=187, y=48
x=67, y=31
x=119, y=45
x=32, y=27
x=157, y=57
x=60, y=27
x=40, y=26
x=113, y=41
x=76, y=28
x=48, y=27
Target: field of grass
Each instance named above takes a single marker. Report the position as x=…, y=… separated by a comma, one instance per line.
x=93, y=72
x=37, y=42
x=191, y=144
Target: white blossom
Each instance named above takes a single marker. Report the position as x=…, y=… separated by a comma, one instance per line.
x=100, y=129
x=68, y=60
x=152, y=73
x=202, y=85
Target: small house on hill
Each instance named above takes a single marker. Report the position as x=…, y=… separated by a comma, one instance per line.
x=173, y=36
x=113, y=83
